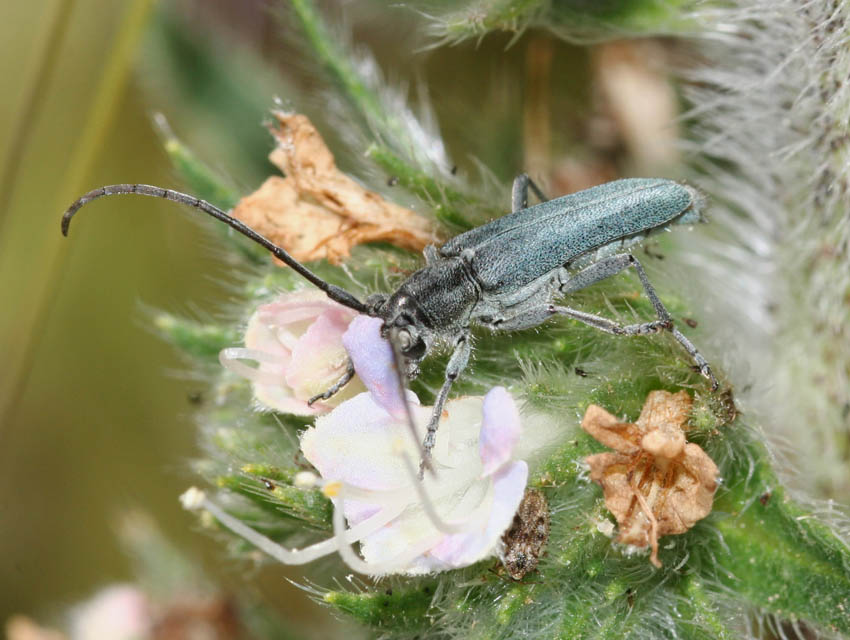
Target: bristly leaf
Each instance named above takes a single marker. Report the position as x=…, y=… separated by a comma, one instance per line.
x=202, y=341
x=760, y=551
x=399, y=609
x=571, y=20
x=775, y=553
x=202, y=181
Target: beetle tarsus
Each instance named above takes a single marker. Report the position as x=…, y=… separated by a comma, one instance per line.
x=337, y=386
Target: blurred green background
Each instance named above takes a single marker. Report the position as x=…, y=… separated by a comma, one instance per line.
x=95, y=416
x=95, y=409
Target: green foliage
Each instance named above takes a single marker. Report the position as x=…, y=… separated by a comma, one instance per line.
x=201, y=341
x=574, y=20
x=761, y=551
x=203, y=181
x=393, y=609
x=309, y=507
x=215, y=88
x=396, y=141
x=446, y=201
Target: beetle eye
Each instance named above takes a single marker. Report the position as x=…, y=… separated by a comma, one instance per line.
x=403, y=338
x=415, y=350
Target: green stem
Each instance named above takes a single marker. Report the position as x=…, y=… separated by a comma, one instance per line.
x=366, y=102
x=449, y=203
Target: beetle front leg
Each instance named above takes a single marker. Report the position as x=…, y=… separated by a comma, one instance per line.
x=339, y=384
x=519, y=192
x=608, y=267
x=457, y=363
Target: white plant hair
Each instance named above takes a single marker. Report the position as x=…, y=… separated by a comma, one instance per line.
x=771, y=105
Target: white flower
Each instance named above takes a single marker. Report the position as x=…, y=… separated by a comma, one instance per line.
x=118, y=612
x=296, y=343
x=451, y=519
x=367, y=458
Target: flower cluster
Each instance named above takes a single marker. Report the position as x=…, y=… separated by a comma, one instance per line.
x=366, y=454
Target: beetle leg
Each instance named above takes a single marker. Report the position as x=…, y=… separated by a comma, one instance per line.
x=517, y=321
x=339, y=384
x=608, y=267
x=457, y=363
x=606, y=325
x=519, y=192
x=644, y=328
x=535, y=316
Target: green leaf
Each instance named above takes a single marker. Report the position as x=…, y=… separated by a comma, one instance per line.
x=199, y=340
x=400, y=609
x=457, y=211
x=308, y=506
x=778, y=554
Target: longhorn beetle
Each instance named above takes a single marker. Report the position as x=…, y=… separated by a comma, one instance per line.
x=504, y=275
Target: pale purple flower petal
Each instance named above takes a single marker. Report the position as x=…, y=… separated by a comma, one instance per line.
x=401, y=534
x=301, y=308
x=358, y=443
x=265, y=335
x=280, y=398
x=463, y=549
x=373, y=361
x=500, y=429
x=361, y=445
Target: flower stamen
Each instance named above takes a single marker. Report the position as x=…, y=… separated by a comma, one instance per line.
x=233, y=359
x=195, y=500
x=395, y=564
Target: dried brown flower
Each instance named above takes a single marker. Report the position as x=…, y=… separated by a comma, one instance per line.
x=656, y=483
x=317, y=211
x=527, y=535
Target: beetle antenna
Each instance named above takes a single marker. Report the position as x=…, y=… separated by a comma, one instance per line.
x=337, y=294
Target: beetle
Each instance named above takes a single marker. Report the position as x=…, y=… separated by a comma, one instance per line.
x=504, y=275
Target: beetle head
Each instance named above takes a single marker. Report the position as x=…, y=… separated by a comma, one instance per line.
x=405, y=327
